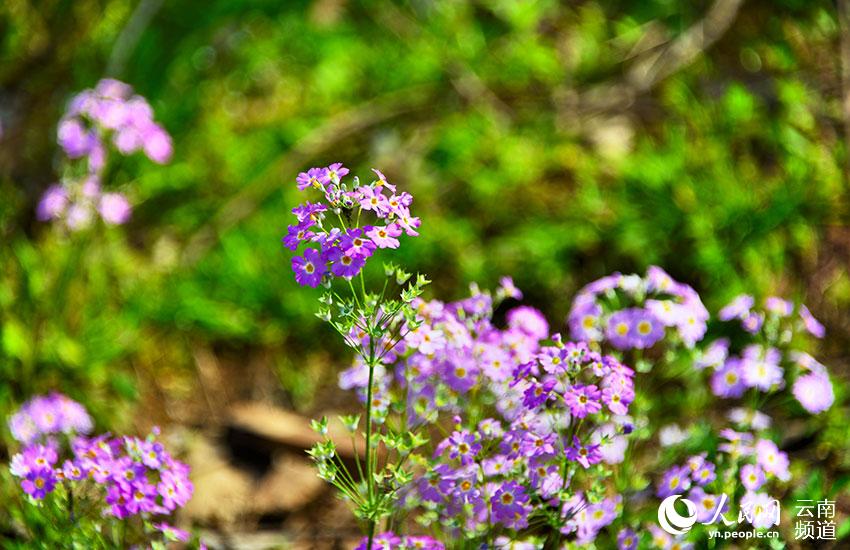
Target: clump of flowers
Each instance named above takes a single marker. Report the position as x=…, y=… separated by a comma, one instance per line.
x=766, y=361
x=338, y=241
x=109, y=116
x=338, y=245
x=633, y=312
x=97, y=478
x=535, y=420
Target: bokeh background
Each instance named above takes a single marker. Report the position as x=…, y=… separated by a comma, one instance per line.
x=551, y=141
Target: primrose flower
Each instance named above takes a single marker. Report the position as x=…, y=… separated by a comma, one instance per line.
x=739, y=307
x=655, y=303
x=813, y=326
x=627, y=539
x=752, y=477
x=309, y=268
x=814, y=392
x=583, y=400
x=675, y=480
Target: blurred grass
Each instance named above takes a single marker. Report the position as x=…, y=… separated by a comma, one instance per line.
x=729, y=173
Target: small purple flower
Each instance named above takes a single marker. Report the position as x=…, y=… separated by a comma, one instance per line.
x=509, y=505
x=311, y=178
x=343, y=265
x=705, y=474
x=171, y=533
x=726, y=381
x=296, y=234
x=675, y=480
x=813, y=326
x=752, y=477
x=353, y=243
x=309, y=268
x=39, y=482
x=385, y=236
x=586, y=455
x=752, y=321
x=627, y=539
x=646, y=329
x=779, y=306
x=53, y=203
x=771, y=459
x=528, y=320
x=760, y=367
x=114, y=208
x=619, y=331
x=583, y=400
x=738, y=307
x=814, y=392
x=463, y=446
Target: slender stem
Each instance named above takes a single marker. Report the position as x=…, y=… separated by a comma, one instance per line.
x=370, y=477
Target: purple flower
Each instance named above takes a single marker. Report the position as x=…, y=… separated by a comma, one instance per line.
x=752, y=321
x=760, y=367
x=309, y=269
x=706, y=504
x=385, y=236
x=586, y=455
x=646, y=329
x=779, y=306
x=38, y=482
x=814, y=392
x=738, y=307
x=49, y=414
x=296, y=234
x=583, y=400
x=675, y=480
x=812, y=325
x=372, y=199
x=761, y=510
x=463, y=446
x=344, y=265
x=704, y=474
x=627, y=539
x=171, y=533
x=619, y=329
x=752, y=477
x=335, y=172
x=353, y=243
x=771, y=459
x=114, y=208
x=311, y=178
x=74, y=138
x=53, y=203
x=529, y=320
x=726, y=381
x=509, y=505
x=157, y=144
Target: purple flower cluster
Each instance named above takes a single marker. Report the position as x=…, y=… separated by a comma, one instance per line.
x=76, y=203
x=131, y=476
x=653, y=304
x=763, y=366
x=42, y=417
x=111, y=110
x=391, y=541
x=760, y=462
x=109, y=113
x=343, y=250
x=558, y=410
x=752, y=319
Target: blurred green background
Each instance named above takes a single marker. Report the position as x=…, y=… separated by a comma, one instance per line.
x=554, y=142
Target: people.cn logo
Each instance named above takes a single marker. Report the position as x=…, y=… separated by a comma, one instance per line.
x=671, y=521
